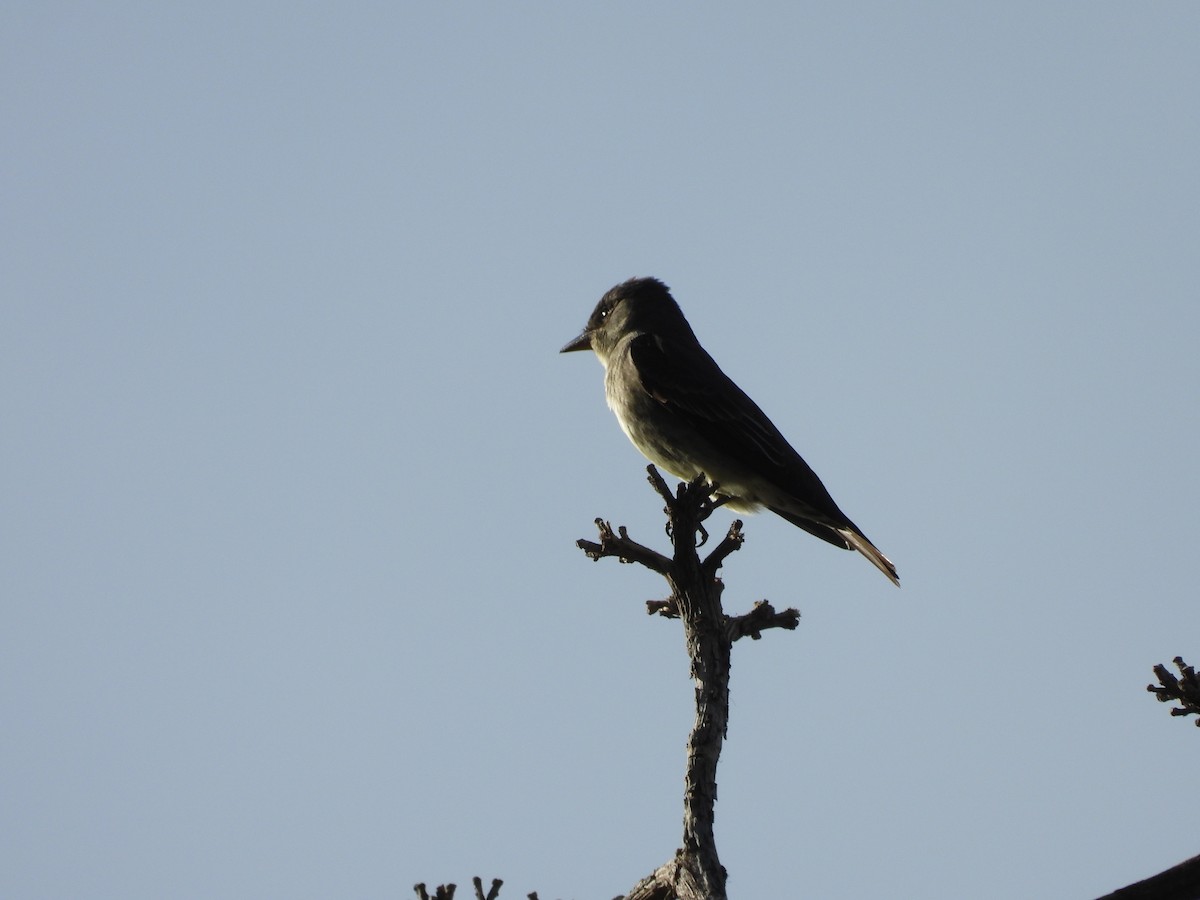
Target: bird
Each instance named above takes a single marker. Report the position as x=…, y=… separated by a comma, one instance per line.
x=688, y=417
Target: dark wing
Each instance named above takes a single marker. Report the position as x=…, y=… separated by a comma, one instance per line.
x=689, y=383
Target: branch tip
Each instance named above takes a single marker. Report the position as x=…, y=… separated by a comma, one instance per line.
x=668, y=609
x=1185, y=689
x=759, y=619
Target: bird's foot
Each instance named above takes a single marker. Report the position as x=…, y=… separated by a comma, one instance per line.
x=713, y=502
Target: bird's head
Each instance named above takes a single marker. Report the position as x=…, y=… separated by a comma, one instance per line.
x=636, y=306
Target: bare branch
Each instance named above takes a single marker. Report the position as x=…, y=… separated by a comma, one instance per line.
x=660, y=486
x=695, y=873
x=668, y=609
x=1185, y=689
x=733, y=541
x=624, y=548
x=759, y=619
x=446, y=891
x=1181, y=882
x=443, y=892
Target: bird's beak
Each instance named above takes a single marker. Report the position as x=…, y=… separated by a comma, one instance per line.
x=583, y=342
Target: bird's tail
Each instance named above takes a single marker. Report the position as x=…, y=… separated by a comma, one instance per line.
x=860, y=543
x=847, y=536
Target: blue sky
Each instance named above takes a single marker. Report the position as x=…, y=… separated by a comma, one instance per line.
x=292, y=471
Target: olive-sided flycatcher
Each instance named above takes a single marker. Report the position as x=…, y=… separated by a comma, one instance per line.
x=688, y=417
